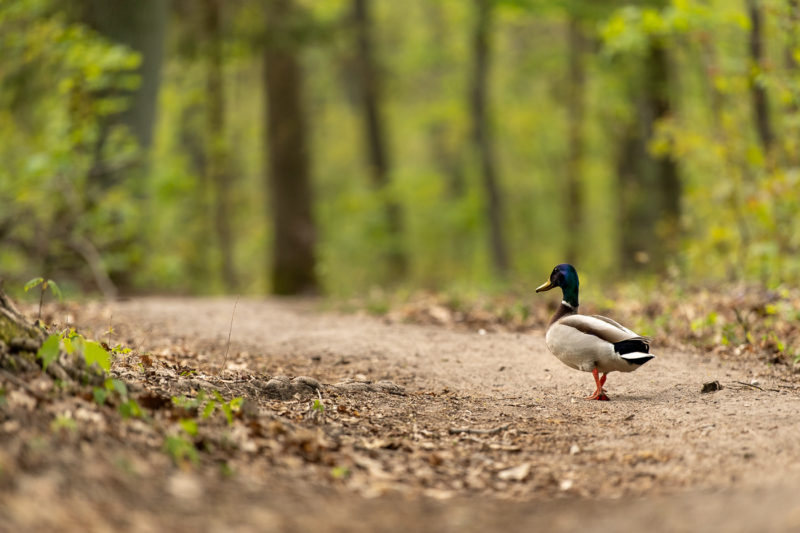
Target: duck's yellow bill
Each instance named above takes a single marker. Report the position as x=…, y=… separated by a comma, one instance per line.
x=546, y=286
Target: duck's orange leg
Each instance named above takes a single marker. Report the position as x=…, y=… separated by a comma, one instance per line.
x=599, y=393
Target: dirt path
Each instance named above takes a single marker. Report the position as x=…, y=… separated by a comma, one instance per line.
x=660, y=455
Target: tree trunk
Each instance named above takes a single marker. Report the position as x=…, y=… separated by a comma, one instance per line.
x=217, y=150
x=649, y=185
x=794, y=22
x=375, y=137
x=576, y=111
x=293, y=259
x=758, y=93
x=669, y=188
x=142, y=26
x=445, y=152
x=192, y=142
x=635, y=222
x=483, y=135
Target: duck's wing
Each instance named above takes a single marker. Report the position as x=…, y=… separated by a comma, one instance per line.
x=601, y=327
x=618, y=325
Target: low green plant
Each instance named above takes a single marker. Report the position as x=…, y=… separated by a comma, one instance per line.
x=318, y=406
x=189, y=425
x=226, y=470
x=340, y=472
x=70, y=341
x=127, y=407
x=65, y=423
x=207, y=405
x=43, y=285
x=181, y=450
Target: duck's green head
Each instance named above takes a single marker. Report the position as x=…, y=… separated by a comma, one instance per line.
x=566, y=277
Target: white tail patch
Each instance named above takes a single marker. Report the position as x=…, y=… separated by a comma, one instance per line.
x=637, y=358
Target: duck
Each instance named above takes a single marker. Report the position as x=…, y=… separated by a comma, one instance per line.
x=590, y=343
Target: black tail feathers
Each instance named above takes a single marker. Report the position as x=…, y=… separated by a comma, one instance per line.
x=632, y=346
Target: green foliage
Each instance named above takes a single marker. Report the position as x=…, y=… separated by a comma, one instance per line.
x=340, y=472
x=94, y=353
x=189, y=426
x=206, y=405
x=128, y=407
x=45, y=284
x=70, y=341
x=63, y=423
x=60, y=83
x=49, y=350
x=739, y=199
x=318, y=406
x=181, y=450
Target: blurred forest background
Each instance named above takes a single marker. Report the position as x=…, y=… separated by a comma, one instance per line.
x=295, y=146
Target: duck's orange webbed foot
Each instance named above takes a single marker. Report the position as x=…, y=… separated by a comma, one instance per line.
x=599, y=393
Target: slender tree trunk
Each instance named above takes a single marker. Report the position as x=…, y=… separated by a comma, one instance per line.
x=142, y=25
x=375, y=136
x=192, y=142
x=216, y=148
x=794, y=21
x=576, y=110
x=757, y=91
x=666, y=169
x=790, y=157
x=289, y=183
x=444, y=152
x=483, y=135
x=636, y=226
x=650, y=186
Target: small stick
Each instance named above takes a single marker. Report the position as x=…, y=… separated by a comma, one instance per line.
x=493, y=431
x=230, y=330
x=41, y=301
x=749, y=385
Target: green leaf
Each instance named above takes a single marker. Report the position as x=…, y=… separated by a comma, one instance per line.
x=209, y=409
x=33, y=283
x=189, y=426
x=120, y=387
x=69, y=347
x=129, y=409
x=100, y=395
x=94, y=353
x=54, y=288
x=181, y=450
x=226, y=408
x=49, y=350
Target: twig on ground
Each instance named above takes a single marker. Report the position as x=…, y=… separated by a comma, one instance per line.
x=230, y=330
x=493, y=431
x=749, y=385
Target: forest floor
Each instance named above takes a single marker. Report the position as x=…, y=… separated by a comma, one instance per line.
x=391, y=426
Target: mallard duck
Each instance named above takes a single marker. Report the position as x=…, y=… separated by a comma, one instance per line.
x=594, y=343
